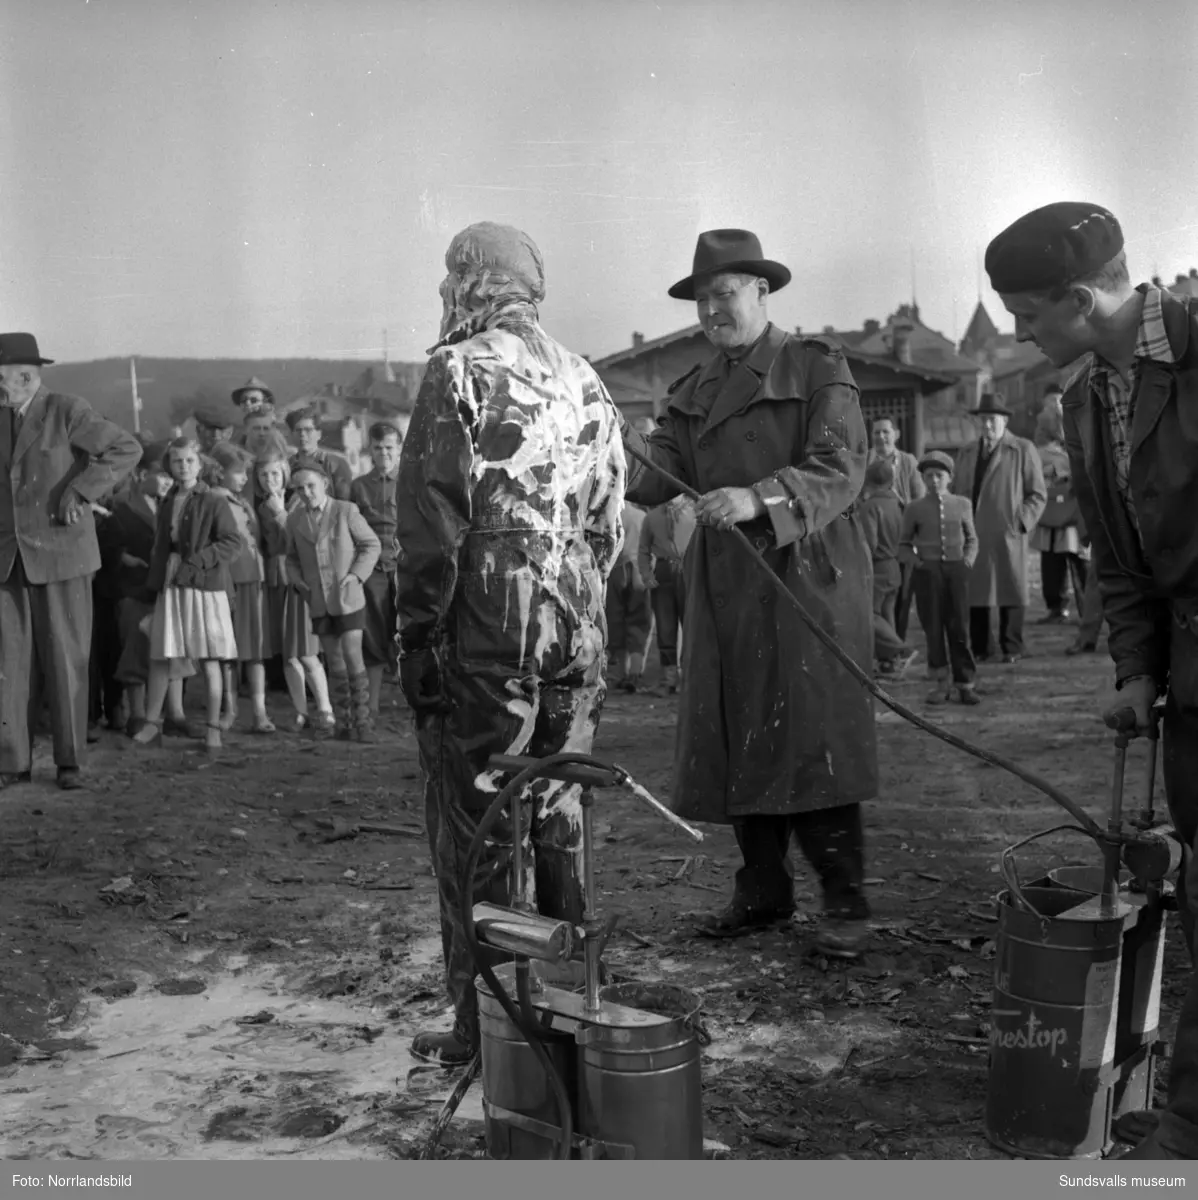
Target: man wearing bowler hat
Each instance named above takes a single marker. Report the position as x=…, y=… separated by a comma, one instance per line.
x=774, y=737
x=1002, y=476
x=57, y=458
x=1131, y=431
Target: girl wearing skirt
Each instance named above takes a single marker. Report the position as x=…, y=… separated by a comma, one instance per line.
x=195, y=541
x=249, y=609
x=288, y=618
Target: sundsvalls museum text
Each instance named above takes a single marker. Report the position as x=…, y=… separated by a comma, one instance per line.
x=59, y=1181
x=1122, y=1181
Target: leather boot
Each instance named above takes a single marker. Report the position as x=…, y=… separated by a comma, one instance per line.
x=363, y=716
x=446, y=1049
x=671, y=674
x=342, y=697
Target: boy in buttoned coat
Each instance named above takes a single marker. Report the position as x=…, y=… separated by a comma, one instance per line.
x=331, y=552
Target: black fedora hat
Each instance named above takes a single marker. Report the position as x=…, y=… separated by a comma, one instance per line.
x=992, y=404
x=730, y=250
x=20, y=349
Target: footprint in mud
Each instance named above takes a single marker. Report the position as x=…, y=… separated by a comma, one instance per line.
x=180, y=987
x=310, y=1123
x=238, y=1124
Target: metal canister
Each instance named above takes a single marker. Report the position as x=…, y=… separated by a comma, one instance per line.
x=1138, y=1021
x=639, y=1080
x=514, y=1081
x=1053, y=1023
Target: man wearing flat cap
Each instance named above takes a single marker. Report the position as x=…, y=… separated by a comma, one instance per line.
x=215, y=423
x=1131, y=432
x=1002, y=476
x=508, y=503
x=57, y=458
x=774, y=737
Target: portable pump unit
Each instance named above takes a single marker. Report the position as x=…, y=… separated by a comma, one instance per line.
x=1077, y=985
x=572, y=1068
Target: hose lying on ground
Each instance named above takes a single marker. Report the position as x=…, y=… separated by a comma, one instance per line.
x=867, y=681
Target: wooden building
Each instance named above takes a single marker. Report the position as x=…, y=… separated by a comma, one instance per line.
x=913, y=395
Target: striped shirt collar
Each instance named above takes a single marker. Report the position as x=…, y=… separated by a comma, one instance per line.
x=1152, y=338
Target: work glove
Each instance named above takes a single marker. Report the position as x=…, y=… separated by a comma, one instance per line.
x=1139, y=694
x=422, y=681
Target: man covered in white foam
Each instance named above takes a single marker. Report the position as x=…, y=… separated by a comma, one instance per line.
x=509, y=500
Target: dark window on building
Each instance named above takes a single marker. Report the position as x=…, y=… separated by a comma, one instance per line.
x=899, y=407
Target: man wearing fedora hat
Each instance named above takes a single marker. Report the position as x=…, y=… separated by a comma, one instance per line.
x=253, y=396
x=58, y=457
x=1001, y=475
x=1132, y=438
x=774, y=736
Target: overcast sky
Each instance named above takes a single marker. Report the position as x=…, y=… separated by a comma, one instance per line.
x=240, y=178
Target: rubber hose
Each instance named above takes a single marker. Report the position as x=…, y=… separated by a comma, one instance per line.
x=530, y=1032
x=870, y=684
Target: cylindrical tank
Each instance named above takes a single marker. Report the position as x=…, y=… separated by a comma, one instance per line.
x=639, y=1076
x=1053, y=1023
x=514, y=1079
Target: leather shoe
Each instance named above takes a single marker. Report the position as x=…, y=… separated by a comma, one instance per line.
x=69, y=779
x=738, y=919
x=12, y=778
x=444, y=1049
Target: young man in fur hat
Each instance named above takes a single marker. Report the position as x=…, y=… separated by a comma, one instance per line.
x=1132, y=438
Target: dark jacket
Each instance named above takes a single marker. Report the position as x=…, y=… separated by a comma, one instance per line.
x=1144, y=586
x=63, y=444
x=375, y=497
x=130, y=530
x=208, y=543
x=247, y=566
x=769, y=722
x=272, y=541
x=881, y=516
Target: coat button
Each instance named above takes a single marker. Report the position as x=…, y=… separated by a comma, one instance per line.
x=715, y=550
x=751, y=435
x=720, y=602
x=705, y=443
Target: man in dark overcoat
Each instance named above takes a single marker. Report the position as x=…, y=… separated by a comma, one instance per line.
x=57, y=458
x=774, y=736
x=1001, y=474
x=1131, y=431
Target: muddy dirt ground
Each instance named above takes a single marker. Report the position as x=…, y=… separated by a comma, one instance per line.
x=189, y=968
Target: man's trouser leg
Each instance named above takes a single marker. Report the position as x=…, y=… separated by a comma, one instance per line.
x=1052, y=580
x=1177, y=1133
x=766, y=881
x=1010, y=625
x=665, y=613
x=929, y=600
x=60, y=621
x=618, y=586
x=902, y=607
x=638, y=615
x=979, y=631
x=1090, y=625
x=887, y=643
x=833, y=842
x=489, y=717
x=16, y=674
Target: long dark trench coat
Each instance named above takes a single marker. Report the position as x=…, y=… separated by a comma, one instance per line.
x=769, y=722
